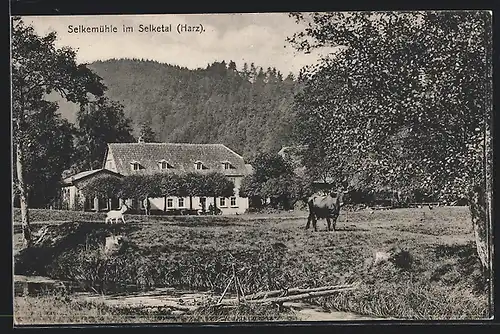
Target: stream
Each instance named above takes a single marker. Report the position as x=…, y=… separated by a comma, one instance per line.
x=178, y=301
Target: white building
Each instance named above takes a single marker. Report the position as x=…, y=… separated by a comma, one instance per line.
x=149, y=158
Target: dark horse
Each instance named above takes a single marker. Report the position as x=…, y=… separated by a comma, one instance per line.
x=327, y=207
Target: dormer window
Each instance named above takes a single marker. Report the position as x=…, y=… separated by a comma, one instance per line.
x=135, y=165
x=163, y=164
x=226, y=165
x=198, y=165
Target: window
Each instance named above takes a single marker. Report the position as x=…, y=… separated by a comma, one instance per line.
x=103, y=203
x=222, y=202
x=227, y=165
x=198, y=165
x=181, y=202
x=135, y=165
x=163, y=164
x=233, y=201
x=170, y=203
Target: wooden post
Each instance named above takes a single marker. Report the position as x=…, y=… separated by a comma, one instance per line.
x=241, y=289
x=225, y=290
x=236, y=284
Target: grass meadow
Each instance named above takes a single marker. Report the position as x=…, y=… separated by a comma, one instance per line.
x=440, y=281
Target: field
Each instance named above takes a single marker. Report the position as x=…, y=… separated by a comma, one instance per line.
x=440, y=279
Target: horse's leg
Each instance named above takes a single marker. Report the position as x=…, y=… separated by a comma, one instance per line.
x=328, y=223
x=308, y=221
x=335, y=217
x=314, y=220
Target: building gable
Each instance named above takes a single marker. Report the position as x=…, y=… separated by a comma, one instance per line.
x=109, y=161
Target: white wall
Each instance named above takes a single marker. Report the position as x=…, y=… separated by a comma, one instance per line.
x=72, y=197
x=240, y=206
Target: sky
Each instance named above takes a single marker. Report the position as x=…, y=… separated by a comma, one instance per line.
x=258, y=38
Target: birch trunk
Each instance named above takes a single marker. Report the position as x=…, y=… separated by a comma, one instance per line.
x=23, y=196
x=480, y=208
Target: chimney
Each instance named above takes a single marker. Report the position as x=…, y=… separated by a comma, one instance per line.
x=140, y=140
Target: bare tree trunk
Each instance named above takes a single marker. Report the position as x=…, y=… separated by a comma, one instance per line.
x=23, y=198
x=480, y=207
x=480, y=225
x=489, y=199
x=191, y=203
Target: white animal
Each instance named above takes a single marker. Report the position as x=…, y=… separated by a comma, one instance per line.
x=113, y=243
x=116, y=214
x=380, y=257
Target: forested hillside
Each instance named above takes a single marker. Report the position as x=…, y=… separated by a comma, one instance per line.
x=243, y=106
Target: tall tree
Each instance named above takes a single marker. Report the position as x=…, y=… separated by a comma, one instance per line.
x=408, y=95
x=215, y=184
x=39, y=68
x=48, y=153
x=253, y=72
x=146, y=133
x=99, y=122
x=190, y=186
x=232, y=66
x=261, y=76
x=170, y=185
x=274, y=178
x=245, y=72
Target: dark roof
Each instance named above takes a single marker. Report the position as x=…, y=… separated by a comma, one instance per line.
x=181, y=157
x=68, y=181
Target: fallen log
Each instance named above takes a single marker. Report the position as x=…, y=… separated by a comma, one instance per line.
x=273, y=293
x=302, y=296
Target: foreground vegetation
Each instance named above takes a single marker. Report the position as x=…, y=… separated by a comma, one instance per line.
x=60, y=309
x=440, y=280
